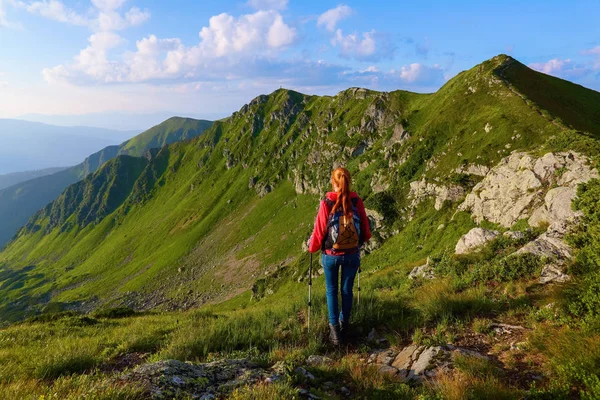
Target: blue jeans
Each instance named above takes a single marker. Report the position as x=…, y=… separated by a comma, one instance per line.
x=331, y=264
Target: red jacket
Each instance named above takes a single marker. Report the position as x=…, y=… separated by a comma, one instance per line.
x=320, y=231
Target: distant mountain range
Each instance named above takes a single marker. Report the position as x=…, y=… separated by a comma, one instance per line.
x=19, y=202
x=114, y=120
x=11, y=179
x=26, y=146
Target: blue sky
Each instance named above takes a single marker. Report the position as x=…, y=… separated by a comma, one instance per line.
x=71, y=57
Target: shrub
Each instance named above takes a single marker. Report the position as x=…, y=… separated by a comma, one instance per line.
x=111, y=313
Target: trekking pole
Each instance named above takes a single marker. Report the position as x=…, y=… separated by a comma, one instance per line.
x=358, y=303
x=309, y=290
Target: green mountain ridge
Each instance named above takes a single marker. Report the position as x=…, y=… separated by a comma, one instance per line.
x=194, y=253
x=283, y=143
x=19, y=202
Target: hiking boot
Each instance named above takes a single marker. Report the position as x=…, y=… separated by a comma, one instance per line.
x=334, y=334
x=345, y=330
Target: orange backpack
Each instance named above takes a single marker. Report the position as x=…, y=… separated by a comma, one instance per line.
x=343, y=231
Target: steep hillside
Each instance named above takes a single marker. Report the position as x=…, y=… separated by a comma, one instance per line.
x=19, y=202
x=204, y=210
x=8, y=180
x=170, y=131
x=481, y=275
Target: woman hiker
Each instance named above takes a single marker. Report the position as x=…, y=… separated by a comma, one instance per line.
x=341, y=228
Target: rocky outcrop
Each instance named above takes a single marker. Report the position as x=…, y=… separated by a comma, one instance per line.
x=473, y=169
x=399, y=136
x=379, y=183
x=506, y=193
x=422, y=190
x=416, y=363
x=474, y=239
x=175, y=379
x=514, y=189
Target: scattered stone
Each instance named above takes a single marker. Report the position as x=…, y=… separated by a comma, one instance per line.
x=306, y=393
x=345, y=391
x=377, y=339
x=388, y=370
x=507, y=327
x=424, y=271
x=515, y=235
x=329, y=385
x=406, y=357
x=171, y=378
x=302, y=372
x=381, y=357
x=424, y=362
x=487, y=128
x=552, y=273
x=456, y=351
x=475, y=238
x=315, y=360
x=417, y=362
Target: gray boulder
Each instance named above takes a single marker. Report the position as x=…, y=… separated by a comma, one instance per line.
x=474, y=239
x=548, y=246
x=553, y=273
x=423, y=271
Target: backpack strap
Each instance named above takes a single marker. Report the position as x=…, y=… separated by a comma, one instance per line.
x=330, y=203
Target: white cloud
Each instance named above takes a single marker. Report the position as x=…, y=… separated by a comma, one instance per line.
x=371, y=68
x=280, y=34
x=227, y=35
x=561, y=68
x=4, y=22
x=135, y=16
x=595, y=51
x=268, y=4
x=108, y=5
x=111, y=20
x=225, y=44
x=91, y=61
x=330, y=18
x=56, y=10
x=372, y=46
x=146, y=62
x=552, y=67
x=420, y=74
x=104, y=17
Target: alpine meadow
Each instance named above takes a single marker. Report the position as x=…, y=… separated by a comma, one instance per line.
x=175, y=265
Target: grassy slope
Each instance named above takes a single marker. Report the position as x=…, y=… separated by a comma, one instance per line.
x=19, y=202
x=173, y=130
x=196, y=214
x=200, y=216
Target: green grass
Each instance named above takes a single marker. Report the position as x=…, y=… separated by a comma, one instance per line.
x=185, y=229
